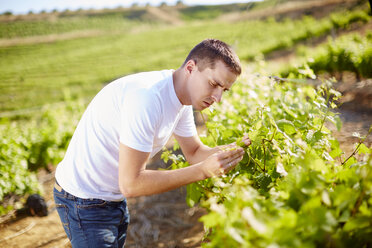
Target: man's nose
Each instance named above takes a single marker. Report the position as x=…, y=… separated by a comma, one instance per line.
x=217, y=95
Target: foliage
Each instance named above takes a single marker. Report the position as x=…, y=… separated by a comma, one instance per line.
x=346, y=20
x=348, y=53
x=313, y=28
x=30, y=145
x=14, y=177
x=294, y=187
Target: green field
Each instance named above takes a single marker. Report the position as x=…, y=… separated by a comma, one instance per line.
x=32, y=75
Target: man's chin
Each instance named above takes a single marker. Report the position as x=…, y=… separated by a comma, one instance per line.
x=199, y=108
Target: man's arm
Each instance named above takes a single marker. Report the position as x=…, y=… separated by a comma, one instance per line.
x=135, y=180
x=195, y=151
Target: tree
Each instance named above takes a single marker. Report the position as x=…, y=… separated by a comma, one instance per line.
x=8, y=13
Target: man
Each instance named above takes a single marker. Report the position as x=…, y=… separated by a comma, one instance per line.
x=128, y=122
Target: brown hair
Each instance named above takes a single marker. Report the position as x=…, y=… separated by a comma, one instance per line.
x=206, y=53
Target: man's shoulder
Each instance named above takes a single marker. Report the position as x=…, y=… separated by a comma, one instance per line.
x=147, y=78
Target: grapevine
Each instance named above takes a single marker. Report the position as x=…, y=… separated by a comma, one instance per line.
x=291, y=189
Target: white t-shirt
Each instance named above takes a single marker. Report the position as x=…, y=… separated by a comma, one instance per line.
x=140, y=111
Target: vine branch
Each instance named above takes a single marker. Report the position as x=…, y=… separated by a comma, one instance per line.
x=357, y=148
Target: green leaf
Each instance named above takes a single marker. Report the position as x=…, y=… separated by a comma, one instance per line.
x=211, y=220
x=176, y=145
x=289, y=111
x=338, y=123
x=344, y=216
x=336, y=150
x=356, y=223
x=352, y=161
x=193, y=194
x=250, y=217
x=286, y=126
x=363, y=149
x=326, y=199
x=234, y=233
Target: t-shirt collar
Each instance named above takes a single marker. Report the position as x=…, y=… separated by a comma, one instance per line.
x=173, y=96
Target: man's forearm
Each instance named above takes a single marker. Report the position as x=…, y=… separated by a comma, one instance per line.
x=201, y=154
x=150, y=182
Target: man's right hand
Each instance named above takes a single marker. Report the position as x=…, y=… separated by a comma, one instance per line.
x=222, y=162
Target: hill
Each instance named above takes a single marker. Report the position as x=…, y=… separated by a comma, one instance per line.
x=179, y=13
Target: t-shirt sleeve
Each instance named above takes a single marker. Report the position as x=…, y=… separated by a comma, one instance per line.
x=186, y=124
x=139, y=119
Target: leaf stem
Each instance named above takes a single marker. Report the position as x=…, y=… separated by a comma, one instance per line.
x=214, y=138
x=325, y=116
x=250, y=157
x=327, y=109
x=358, y=203
x=272, y=137
x=264, y=150
x=206, y=189
x=357, y=148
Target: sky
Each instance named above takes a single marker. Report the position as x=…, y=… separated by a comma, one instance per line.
x=24, y=6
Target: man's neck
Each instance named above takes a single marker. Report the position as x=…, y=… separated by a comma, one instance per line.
x=180, y=86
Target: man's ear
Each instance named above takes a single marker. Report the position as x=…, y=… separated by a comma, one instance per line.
x=190, y=66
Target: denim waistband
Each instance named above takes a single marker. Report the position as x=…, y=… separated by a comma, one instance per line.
x=70, y=196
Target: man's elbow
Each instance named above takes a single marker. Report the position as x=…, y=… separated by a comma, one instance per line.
x=129, y=191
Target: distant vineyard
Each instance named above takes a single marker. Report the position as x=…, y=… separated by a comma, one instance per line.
x=351, y=53
x=61, y=25
x=83, y=65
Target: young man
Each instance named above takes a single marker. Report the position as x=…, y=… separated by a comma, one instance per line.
x=128, y=122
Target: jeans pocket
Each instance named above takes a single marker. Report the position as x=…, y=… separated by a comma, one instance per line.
x=63, y=215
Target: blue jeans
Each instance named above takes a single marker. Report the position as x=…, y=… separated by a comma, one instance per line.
x=92, y=222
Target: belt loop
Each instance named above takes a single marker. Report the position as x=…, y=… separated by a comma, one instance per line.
x=58, y=188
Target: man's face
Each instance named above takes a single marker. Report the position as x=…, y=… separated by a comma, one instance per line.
x=207, y=86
